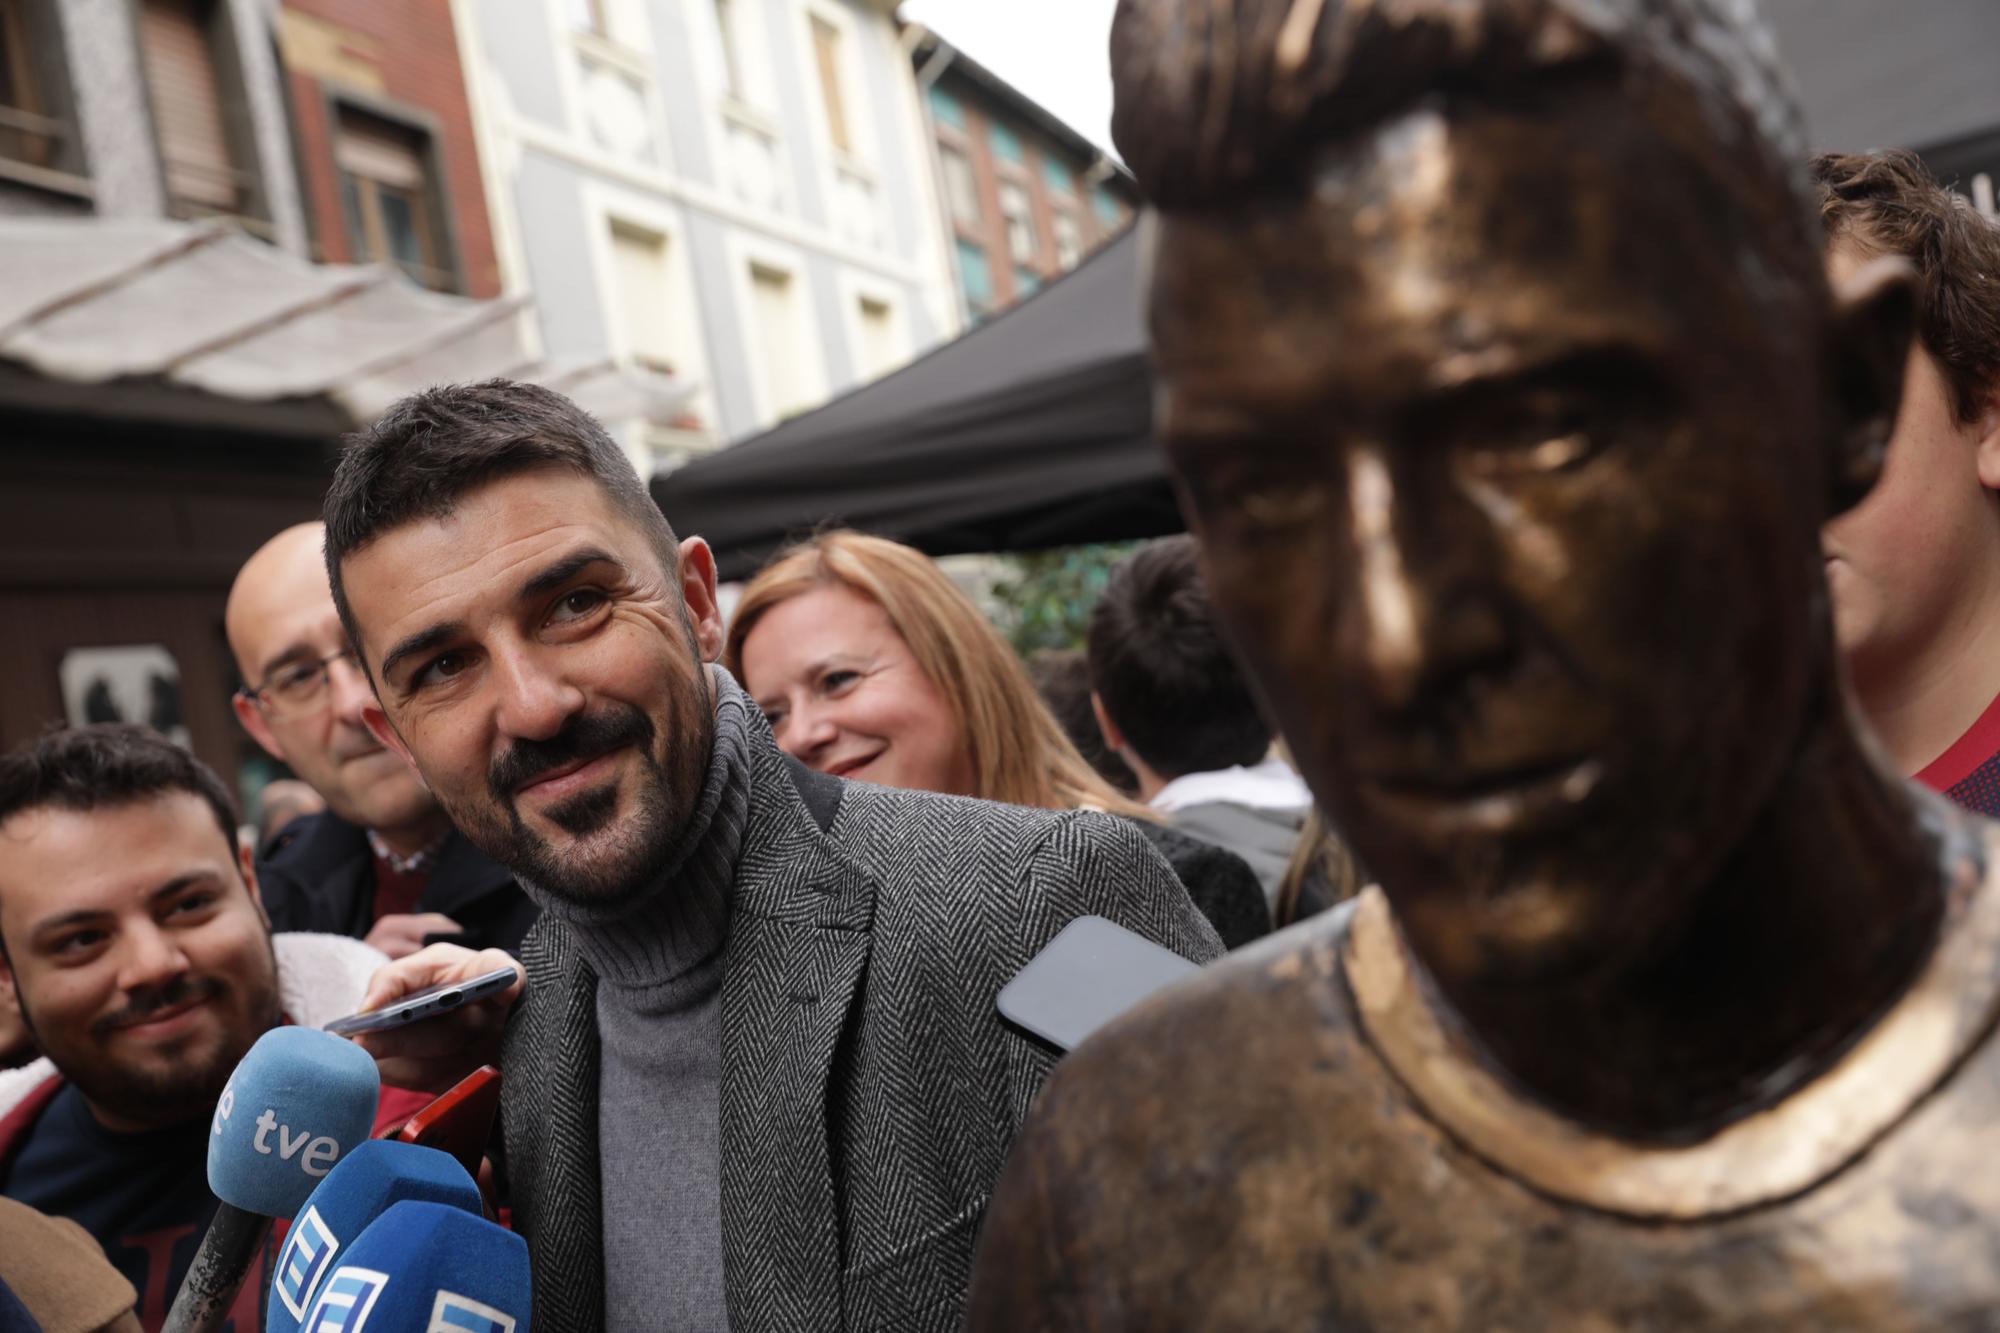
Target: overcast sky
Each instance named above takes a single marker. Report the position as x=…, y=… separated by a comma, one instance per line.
x=1055, y=51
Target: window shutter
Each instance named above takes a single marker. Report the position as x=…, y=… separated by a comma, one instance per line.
x=187, y=103
x=378, y=154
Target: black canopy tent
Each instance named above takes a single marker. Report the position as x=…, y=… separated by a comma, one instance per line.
x=1033, y=430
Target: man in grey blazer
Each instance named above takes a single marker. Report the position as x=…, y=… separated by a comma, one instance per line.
x=756, y=1077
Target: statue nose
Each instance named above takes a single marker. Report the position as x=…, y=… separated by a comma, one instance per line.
x=1422, y=598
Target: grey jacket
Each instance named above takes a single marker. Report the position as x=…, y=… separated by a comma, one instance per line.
x=869, y=1089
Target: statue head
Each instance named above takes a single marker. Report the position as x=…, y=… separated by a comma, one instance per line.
x=1503, y=387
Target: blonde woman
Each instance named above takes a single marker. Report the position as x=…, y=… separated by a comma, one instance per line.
x=872, y=665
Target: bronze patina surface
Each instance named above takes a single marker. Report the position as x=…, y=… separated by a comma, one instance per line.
x=1504, y=389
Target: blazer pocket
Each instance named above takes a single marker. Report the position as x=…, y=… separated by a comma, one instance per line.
x=921, y=1285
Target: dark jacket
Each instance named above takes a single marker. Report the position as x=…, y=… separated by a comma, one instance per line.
x=870, y=1089
x=319, y=874
x=1221, y=883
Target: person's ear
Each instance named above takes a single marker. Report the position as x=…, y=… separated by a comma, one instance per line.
x=1875, y=316
x=246, y=865
x=1988, y=426
x=697, y=571
x=1114, y=739
x=385, y=733
x=253, y=720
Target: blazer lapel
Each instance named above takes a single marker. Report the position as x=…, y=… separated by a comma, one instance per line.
x=798, y=947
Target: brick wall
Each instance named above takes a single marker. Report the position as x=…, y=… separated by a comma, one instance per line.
x=390, y=54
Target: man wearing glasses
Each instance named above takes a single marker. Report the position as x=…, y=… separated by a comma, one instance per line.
x=382, y=863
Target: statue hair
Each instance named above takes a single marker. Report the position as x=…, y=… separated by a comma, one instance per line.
x=1219, y=97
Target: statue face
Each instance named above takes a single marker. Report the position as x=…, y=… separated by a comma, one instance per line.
x=1505, y=449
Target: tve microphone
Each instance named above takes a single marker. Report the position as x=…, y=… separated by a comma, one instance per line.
x=377, y=1174
x=295, y=1105
x=424, y=1267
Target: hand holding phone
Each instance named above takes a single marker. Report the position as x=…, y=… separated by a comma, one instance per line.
x=433, y=1055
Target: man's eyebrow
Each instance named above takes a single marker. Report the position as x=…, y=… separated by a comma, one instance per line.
x=421, y=642
x=566, y=569
x=296, y=650
x=86, y=917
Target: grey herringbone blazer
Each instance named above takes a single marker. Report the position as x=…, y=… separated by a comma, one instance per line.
x=869, y=1088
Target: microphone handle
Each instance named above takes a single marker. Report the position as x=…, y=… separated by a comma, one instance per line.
x=213, y=1279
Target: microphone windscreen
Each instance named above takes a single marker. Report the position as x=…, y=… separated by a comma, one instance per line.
x=421, y=1267
x=364, y=1184
x=297, y=1103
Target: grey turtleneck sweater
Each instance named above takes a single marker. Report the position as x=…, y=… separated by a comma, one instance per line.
x=658, y=959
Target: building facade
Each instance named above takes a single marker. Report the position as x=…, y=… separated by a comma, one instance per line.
x=388, y=163
x=175, y=372
x=732, y=191
x=146, y=109
x=1025, y=196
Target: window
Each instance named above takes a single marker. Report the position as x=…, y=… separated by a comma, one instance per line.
x=1026, y=283
x=881, y=341
x=726, y=14
x=385, y=191
x=1055, y=172
x=975, y=276
x=648, y=297
x=961, y=188
x=779, y=322
x=1110, y=212
x=35, y=129
x=1019, y=211
x=947, y=110
x=199, y=121
x=1069, y=239
x=1006, y=146
x=826, y=49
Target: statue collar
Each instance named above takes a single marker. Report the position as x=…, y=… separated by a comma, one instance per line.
x=1771, y=1155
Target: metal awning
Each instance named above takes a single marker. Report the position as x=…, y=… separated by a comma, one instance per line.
x=180, y=315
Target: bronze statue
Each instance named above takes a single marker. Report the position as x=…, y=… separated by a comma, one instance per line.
x=1506, y=394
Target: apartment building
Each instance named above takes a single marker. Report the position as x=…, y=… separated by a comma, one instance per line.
x=1025, y=195
x=732, y=191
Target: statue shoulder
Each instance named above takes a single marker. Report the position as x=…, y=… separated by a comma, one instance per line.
x=1172, y=1121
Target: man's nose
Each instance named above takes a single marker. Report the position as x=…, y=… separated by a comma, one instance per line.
x=535, y=700
x=1421, y=604
x=149, y=957
x=350, y=690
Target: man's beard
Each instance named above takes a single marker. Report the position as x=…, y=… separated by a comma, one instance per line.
x=187, y=1083
x=628, y=859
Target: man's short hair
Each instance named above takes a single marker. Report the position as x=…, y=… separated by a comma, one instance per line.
x=107, y=765
x=1890, y=204
x=1062, y=678
x=1218, y=101
x=1158, y=663
x=433, y=448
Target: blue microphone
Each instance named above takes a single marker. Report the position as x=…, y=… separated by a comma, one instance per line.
x=376, y=1175
x=297, y=1103
x=425, y=1267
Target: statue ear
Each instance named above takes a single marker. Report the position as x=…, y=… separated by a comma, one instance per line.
x=1875, y=315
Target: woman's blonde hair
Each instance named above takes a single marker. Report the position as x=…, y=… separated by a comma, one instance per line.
x=1014, y=747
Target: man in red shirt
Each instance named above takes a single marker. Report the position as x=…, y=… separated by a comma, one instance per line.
x=1915, y=568
x=131, y=933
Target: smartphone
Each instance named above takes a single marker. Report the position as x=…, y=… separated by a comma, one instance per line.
x=461, y=1121
x=426, y=1003
x=1091, y=972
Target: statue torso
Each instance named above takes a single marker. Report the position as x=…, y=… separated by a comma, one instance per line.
x=1260, y=1166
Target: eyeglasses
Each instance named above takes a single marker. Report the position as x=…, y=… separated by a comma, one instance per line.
x=298, y=687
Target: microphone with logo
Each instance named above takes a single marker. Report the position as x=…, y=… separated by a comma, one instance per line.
x=297, y=1103
x=367, y=1182
x=423, y=1267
